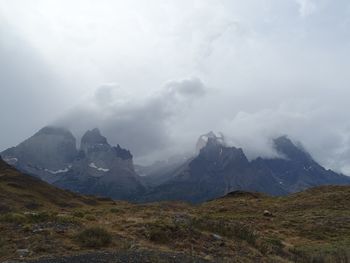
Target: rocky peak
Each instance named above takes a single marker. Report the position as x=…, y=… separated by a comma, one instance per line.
x=211, y=138
x=216, y=152
x=50, y=150
x=286, y=147
x=93, y=139
x=122, y=153
x=55, y=131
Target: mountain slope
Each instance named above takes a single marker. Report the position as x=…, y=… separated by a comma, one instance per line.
x=298, y=171
x=102, y=169
x=218, y=170
x=96, y=168
x=24, y=192
x=47, y=154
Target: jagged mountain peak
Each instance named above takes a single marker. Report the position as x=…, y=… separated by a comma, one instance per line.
x=285, y=146
x=219, y=154
x=55, y=130
x=122, y=153
x=209, y=138
x=93, y=137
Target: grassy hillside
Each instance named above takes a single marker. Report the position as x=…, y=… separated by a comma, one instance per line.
x=23, y=192
x=39, y=220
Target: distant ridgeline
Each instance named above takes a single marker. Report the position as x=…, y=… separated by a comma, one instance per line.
x=101, y=169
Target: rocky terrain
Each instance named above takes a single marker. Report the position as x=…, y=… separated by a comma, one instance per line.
x=40, y=223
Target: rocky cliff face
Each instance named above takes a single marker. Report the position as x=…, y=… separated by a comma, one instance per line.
x=46, y=154
x=96, y=168
x=102, y=170
x=297, y=170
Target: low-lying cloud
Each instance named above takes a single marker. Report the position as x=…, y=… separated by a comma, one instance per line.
x=142, y=125
x=263, y=68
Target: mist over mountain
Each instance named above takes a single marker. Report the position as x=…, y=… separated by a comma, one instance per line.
x=214, y=170
x=155, y=76
x=219, y=169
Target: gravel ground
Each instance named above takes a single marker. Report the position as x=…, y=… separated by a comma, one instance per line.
x=132, y=257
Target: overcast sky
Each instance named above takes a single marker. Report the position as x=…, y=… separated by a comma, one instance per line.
x=153, y=75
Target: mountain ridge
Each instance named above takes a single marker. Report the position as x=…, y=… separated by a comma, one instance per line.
x=101, y=169
x=220, y=169
x=96, y=168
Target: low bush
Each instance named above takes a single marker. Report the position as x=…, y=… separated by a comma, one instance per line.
x=94, y=237
x=164, y=232
x=39, y=217
x=2, y=247
x=115, y=210
x=79, y=214
x=228, y=229
x=90, y=217
x=13, y=218
x=271, y=246
x=321, y=255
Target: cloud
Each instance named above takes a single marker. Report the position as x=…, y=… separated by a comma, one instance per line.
x=105, y=93
x=30, y=90
x=316, y=127
x=306, y=7
x=143, y=126
x=269, y=72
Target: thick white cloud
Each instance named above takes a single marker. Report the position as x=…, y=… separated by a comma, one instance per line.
x=307, y=7
x=270, y=67
x=142, y=125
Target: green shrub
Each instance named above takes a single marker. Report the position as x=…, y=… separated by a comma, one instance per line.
x=39, y=217
x=2, y=242
x=271, y=246
x=94, y=237
x=78, y=214
x=90, y=217
x=321, y=254
x=65, y=219
x=163, y=232
x=13, y=218
x=2, y=247
x=228, y=229
x=115, y=210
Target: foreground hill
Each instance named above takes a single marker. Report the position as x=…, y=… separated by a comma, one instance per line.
x=23, y=192
x=311, y=226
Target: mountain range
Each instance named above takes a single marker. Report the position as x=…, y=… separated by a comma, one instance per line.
x=98, y=168
x=95, y=168
x=219, y=169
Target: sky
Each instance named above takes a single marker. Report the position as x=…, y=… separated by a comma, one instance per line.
x=154, y=75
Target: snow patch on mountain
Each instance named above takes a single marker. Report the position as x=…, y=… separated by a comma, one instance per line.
x=58, y=171
x=93, y=165
x=11, y=160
